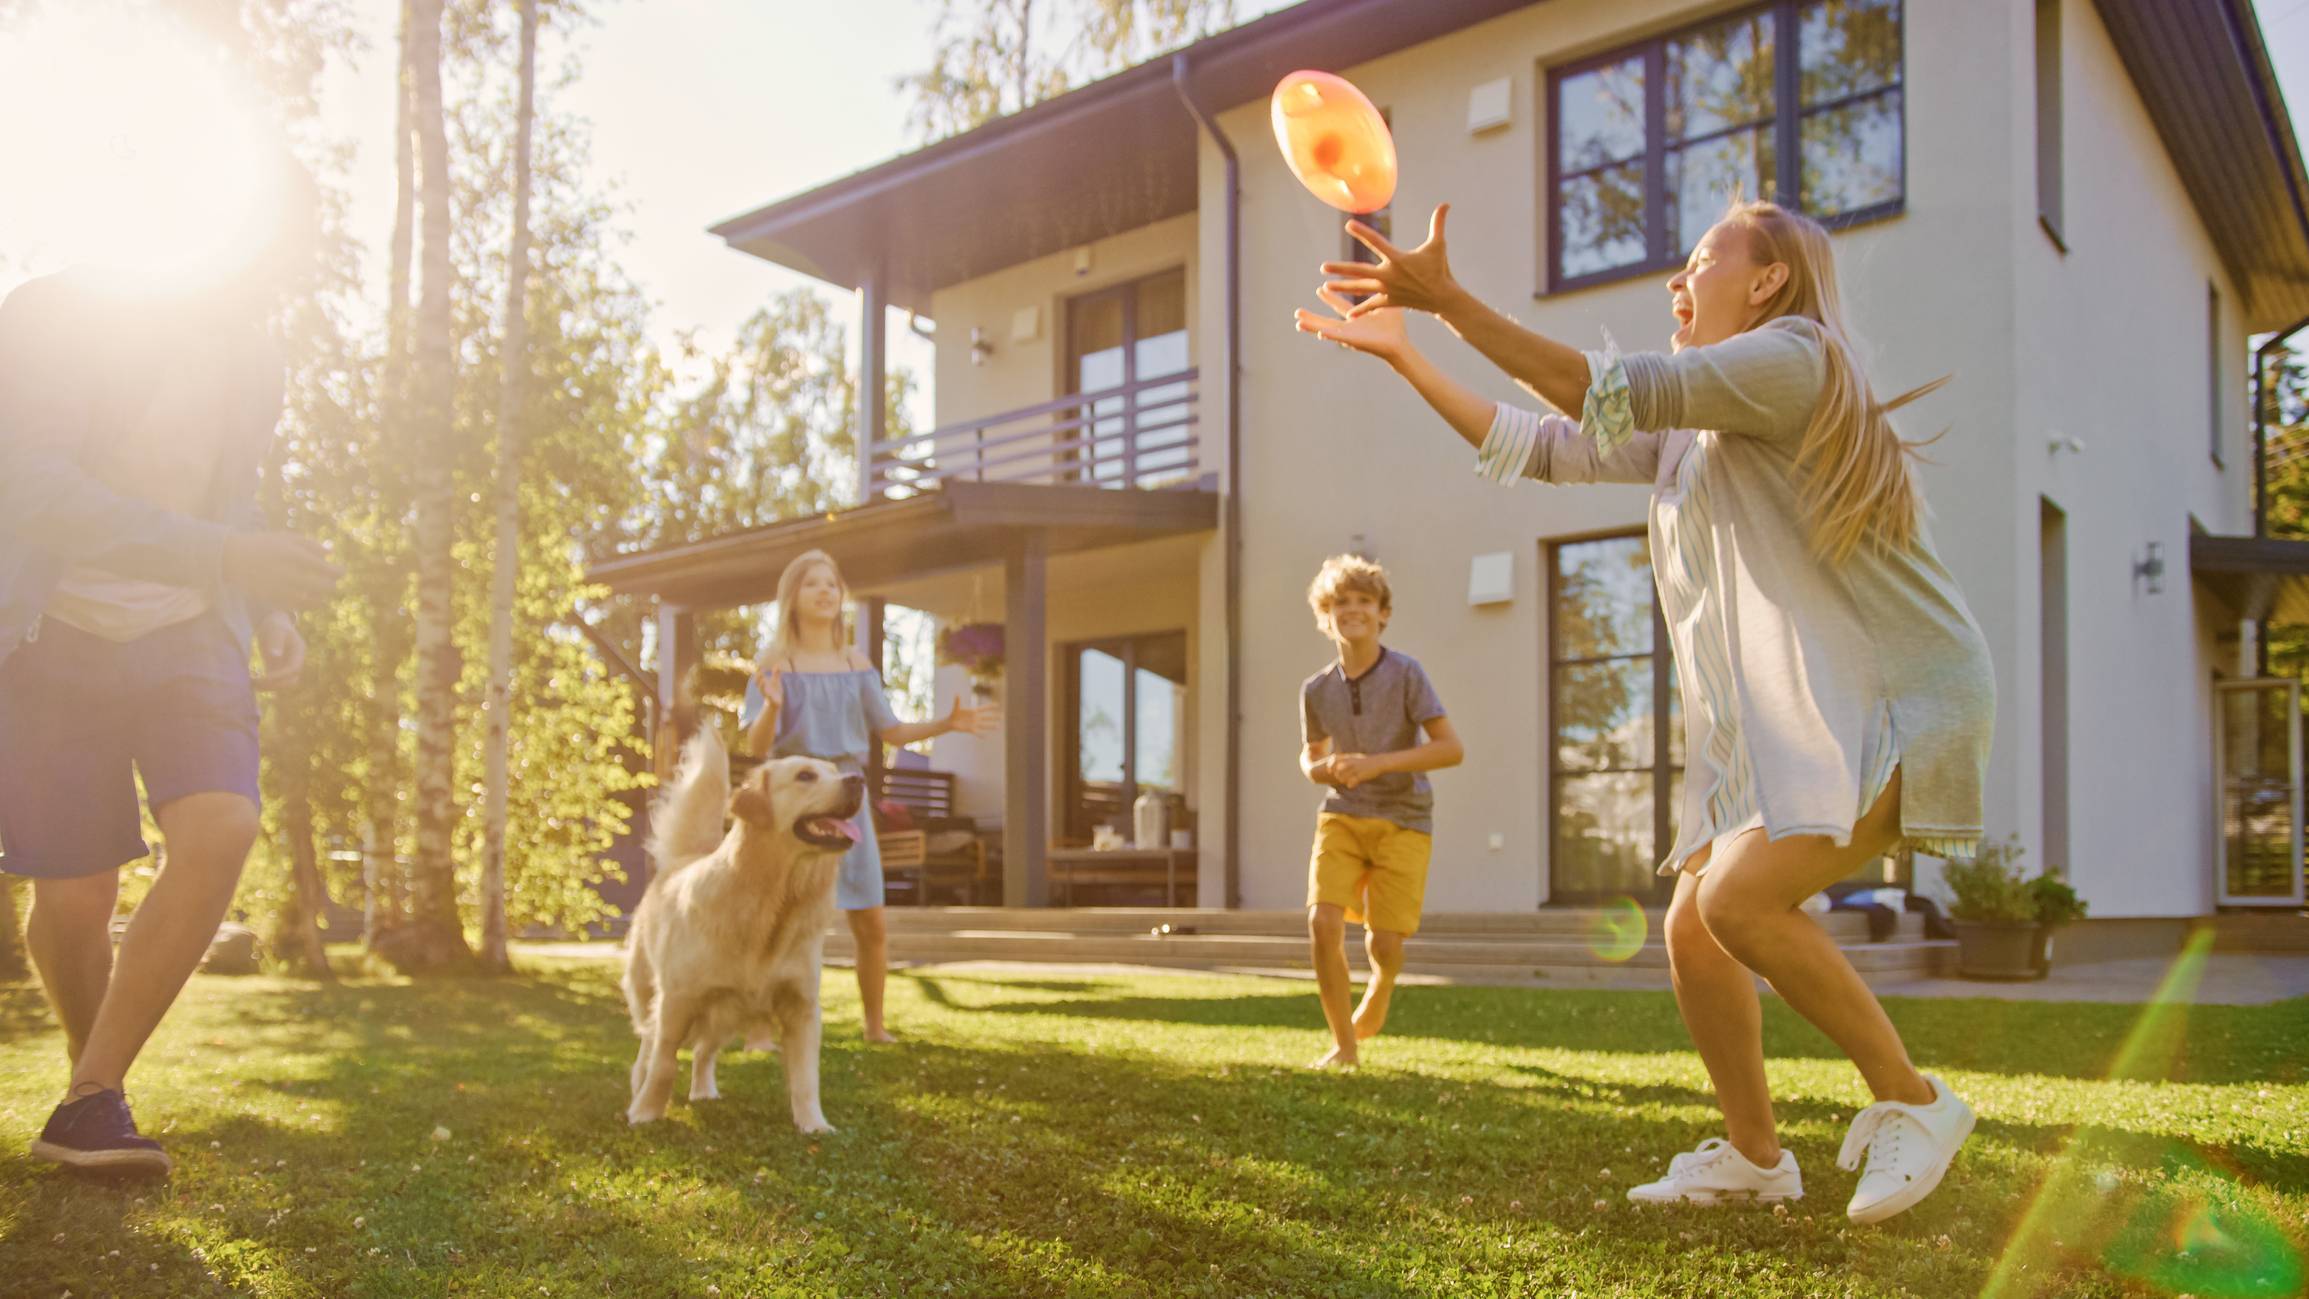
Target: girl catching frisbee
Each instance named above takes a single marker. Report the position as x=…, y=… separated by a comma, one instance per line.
x=1837, y=695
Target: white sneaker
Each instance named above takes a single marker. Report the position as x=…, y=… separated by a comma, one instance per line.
x=1716, y=1172
x=1907, y=1150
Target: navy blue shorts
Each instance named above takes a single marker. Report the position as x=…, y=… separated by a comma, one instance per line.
x=81, y=717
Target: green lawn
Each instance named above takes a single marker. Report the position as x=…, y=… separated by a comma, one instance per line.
x=1060, y=1135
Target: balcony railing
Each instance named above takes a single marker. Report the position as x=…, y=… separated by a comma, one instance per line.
x=1138, y=435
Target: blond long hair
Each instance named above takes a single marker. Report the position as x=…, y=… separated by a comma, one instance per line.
x=1858, y=487
x=789, y=627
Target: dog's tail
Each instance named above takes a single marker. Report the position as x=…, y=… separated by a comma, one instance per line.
x=685, y=823
x=640, y=984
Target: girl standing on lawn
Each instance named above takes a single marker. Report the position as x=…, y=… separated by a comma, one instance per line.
x=814, y=693
x=1837, y=696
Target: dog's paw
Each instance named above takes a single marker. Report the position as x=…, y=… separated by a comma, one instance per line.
x=637, y=1116
x=814, y=1128
x=710, y=1094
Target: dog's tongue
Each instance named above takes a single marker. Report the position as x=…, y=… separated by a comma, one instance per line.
x=846, y=829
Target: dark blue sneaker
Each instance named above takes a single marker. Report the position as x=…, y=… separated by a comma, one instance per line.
x=97, y=1133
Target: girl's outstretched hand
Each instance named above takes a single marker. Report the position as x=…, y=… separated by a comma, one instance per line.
x=973, y=721
x=1378, y=333
x=1419, y=280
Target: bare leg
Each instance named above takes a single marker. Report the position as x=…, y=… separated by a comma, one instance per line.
x=1327, y=936
x=1748, y=900
x=1717, y=996
x=870, y=936
x=800, y=1049
x=1385, y=948
x=208, y=838
x=70, y=937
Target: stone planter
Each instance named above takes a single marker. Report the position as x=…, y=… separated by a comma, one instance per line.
x=1999, y=949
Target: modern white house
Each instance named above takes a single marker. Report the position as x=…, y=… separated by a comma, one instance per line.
x=2084, y=210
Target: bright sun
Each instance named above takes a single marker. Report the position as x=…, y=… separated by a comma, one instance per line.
x=127, y=144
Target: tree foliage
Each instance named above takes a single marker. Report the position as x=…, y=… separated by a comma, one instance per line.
x=990, y=58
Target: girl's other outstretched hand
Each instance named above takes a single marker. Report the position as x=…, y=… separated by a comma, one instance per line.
x=973, y=721
x=1378, y=333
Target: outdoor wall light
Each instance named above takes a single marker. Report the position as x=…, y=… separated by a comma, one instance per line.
x=980, y=348
x=2149, y=569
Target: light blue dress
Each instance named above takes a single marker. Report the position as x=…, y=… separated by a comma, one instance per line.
x=835, y=716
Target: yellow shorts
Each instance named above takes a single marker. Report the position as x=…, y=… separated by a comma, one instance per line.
x=1372, y=867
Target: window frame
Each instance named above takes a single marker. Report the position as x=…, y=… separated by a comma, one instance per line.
x=1552, y=771
x=2215, y=377
x=1787, y=135
x=2051, y=128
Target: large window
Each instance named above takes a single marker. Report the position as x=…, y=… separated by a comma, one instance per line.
x=1126, y=703
x=1616, y=752
x=1136, y=432
x=1798, y=99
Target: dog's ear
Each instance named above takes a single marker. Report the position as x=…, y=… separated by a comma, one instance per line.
x=751, y=802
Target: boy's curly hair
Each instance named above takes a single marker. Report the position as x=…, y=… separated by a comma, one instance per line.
x=1343, y=573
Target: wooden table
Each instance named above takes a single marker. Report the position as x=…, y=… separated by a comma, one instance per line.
x=1067, y=865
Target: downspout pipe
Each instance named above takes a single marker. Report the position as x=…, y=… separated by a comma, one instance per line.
x=1231, y=506
x=2261, y=355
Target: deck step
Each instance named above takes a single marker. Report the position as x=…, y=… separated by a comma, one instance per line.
x=1574, y=924
x=1548, y=947
x=2275, y=930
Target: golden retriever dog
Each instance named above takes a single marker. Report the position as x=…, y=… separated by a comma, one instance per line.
x=728, y=937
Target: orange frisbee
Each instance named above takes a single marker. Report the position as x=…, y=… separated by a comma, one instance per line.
x=1335, y=141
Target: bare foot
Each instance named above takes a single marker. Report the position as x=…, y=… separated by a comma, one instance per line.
x=1371, y=1016
x=880, y=1036
x=1337, y=1057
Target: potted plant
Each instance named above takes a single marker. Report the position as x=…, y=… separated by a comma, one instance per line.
x=2056, y=904
x=1995, y=913
x=976, y=648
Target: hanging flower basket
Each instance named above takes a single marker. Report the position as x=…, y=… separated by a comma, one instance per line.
x=975, y=647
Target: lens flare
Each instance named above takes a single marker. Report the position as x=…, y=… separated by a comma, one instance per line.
x=148, y=157
x=1616, y=932
x=2189, y=1226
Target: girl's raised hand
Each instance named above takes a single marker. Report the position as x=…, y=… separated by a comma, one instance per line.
x=1418, y=279
x=1377, y=333
x=772, y=684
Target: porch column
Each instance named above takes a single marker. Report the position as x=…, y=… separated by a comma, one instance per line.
x=870, y=644
x=1025, y=725
x=677, y=653
x=873, y=390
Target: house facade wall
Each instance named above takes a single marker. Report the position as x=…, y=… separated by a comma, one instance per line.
x=2106, y=342
x=1024, y=373
x=2113, y=341
x=1338, y=454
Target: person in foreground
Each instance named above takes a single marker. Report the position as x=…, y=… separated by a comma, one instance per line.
x=133, y=423
x=1360, y=719
x=1837, y=695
